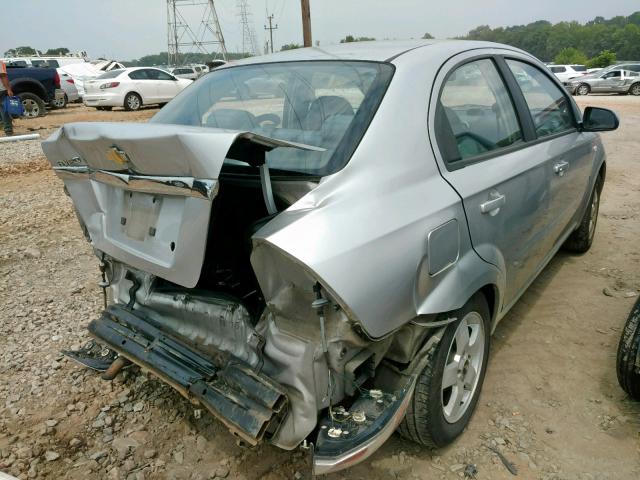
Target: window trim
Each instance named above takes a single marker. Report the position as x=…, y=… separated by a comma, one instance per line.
x=522, y=109
x=554, y=80
x=452, y=166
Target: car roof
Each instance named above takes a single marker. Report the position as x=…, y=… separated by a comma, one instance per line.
x=380, y=51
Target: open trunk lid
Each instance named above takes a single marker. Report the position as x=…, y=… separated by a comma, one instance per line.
x=144, y=191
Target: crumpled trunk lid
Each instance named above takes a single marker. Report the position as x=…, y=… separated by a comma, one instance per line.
x=144, y=191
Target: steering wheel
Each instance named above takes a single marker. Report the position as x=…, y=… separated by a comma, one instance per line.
x=268, y=117
x=488, y=144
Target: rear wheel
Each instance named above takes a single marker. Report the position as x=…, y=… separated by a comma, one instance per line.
x=583, y=89
x=581, y=239
x=448, y=387
x=628, y=359
x=635, y=89
x=132, y=102
x=61, y=103
x=33, y=105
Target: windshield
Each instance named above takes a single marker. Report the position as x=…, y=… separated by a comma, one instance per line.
x=327, y=104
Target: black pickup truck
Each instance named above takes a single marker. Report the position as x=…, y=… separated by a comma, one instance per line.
x=37, y=87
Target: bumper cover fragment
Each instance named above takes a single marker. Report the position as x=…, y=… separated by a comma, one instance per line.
x=248, y=403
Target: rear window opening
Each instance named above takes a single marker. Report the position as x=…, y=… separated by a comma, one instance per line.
x=326, y=104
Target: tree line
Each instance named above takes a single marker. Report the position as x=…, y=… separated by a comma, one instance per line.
x=617, y=37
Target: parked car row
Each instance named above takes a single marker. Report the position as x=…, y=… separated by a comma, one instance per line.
x=580, y=80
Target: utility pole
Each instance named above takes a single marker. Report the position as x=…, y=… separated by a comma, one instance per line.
x=306, y=22
x=271, y=28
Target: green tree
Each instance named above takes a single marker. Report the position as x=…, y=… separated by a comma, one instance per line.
x=603, y=59
x=569, y=56
x=290, y=46
x=427, y=36
x=351, y=39
x=621, y=35
x=57, y=51
x=25, y=51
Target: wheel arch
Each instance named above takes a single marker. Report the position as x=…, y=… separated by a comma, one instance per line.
x=140, y=96
x=468, y=277
x=29, y=86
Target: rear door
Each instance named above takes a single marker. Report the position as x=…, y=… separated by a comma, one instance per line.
x=481, y=144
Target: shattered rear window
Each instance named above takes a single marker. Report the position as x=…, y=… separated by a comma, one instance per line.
x=327, y=104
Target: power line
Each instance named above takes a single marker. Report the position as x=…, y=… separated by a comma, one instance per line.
x=271, y=28
x=205, y=37
x=249, y=44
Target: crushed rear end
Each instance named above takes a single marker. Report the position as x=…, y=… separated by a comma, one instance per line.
x=197, y=294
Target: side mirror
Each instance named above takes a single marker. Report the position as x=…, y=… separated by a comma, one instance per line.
x=596, y=119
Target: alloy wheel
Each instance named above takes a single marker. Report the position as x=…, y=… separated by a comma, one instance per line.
x=462, y=368
x=31, y=108
x=133, y=102
x=583, y=90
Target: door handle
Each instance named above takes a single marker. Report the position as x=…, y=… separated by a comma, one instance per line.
x=560, y=168
x=492, y=205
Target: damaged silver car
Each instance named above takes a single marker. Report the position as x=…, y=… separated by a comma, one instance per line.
x=324, y=262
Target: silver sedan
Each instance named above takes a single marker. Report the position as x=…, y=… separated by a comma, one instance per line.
x=325, y=262
x=610, y=81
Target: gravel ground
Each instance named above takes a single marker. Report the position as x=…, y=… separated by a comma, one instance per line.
x=550, y=403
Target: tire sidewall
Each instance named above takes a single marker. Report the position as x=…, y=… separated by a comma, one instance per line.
x=443, y=432
x=126, y=102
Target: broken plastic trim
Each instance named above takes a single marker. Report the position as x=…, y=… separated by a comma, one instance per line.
x=181, y=186
x=334, y=455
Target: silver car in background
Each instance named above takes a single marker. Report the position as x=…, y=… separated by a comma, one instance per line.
x=325, y=263
x=616, y=80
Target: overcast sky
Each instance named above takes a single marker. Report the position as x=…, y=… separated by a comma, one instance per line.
x=128, y=29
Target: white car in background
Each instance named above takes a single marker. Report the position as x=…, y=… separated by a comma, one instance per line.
x=68, y=85
x=132, y=88
x=567, y=72
x=185, y=72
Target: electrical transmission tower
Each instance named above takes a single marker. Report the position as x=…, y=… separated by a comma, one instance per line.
x=249, y=44
x=205, y=37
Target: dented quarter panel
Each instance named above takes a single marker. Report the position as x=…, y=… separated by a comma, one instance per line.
x=363, y=232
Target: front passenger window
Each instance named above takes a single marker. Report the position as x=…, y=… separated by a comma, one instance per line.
x=549, y=106
x=475, y=114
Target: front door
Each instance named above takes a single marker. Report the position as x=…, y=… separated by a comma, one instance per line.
x=504, y=189
x=569, y=151
x=167, y=85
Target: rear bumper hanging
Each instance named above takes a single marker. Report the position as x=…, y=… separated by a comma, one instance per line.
x=248, y=403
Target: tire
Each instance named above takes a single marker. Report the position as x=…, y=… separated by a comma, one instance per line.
x=581, y=239
x=628, y=358
x=583, y=89
x=635, y=89
x=434, y=419
x=132, y=102
x=33, y=105
x=57, y=104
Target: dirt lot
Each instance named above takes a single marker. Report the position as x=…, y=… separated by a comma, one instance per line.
x=550, y=404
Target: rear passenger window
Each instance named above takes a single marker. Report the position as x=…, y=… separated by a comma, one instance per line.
x=475, y=114
x=548, y=104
